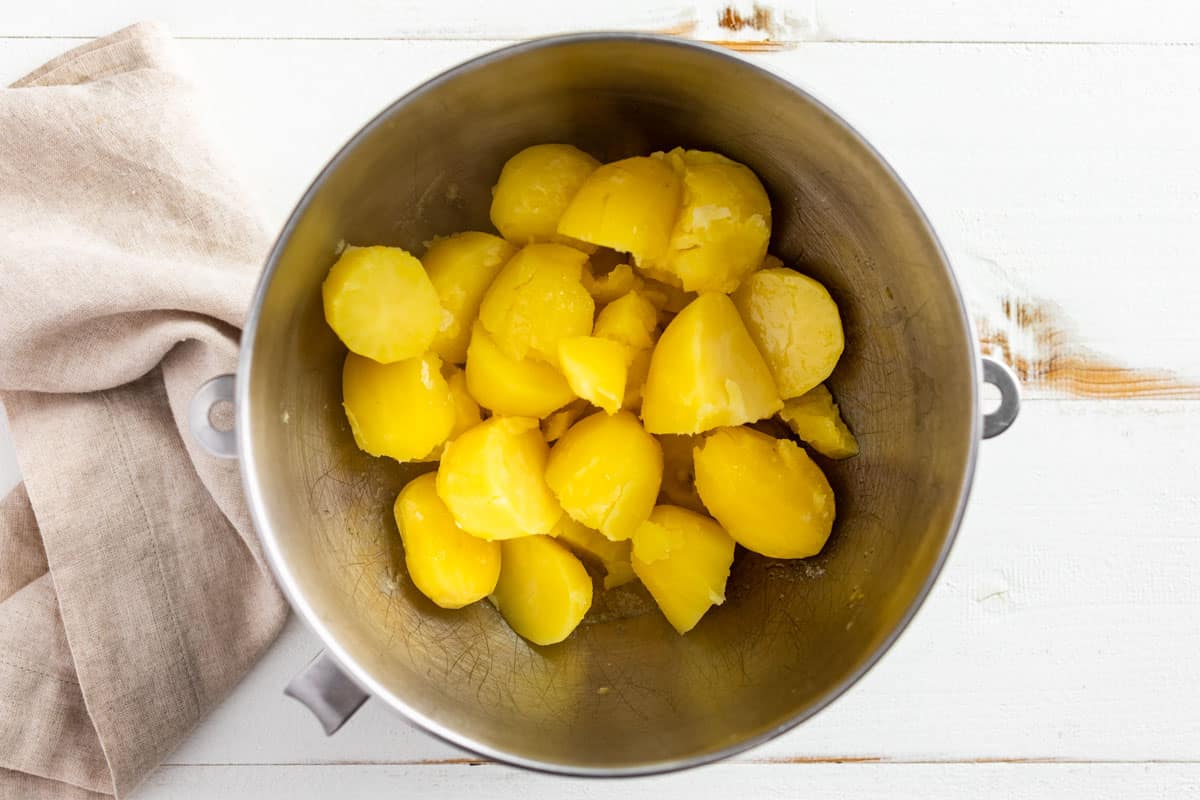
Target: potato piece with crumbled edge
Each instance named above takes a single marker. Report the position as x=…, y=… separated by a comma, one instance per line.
x=683, y=560
x=724, y=224
x=446, y=564
x=795, y=324
x=606, y=472
x=544, y=591
x=403, y=410
x=461, y=268
x=534, y=189
x=766, y=492
x=511, y=386
x=537, y=299
x=815, y=418
x=492, y=478
x=381, y=304
x=595, y=369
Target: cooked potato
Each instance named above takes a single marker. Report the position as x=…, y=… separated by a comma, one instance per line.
x=402, y=410
x=537, y=299
x=608, y=286
x=683, y=559
x=535, y=187
x=381, y=304
x=679, y=472
x=461, y=268
x=724, y=225
x=635, y=380
x=766, y=492
x=595, y=369
x=667, y=298
x=628, y=205
x=492, y=478
x=510, y=386
x=706, y=372
x=631, y=319
x=557, y=423
x=605, y=472
x=467, y=413
x=448, y=565
x=593, y=545
x=814, y=417
x=795, y=324
x=544, y=591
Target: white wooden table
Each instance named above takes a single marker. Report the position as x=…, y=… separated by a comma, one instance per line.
x=1056, y=146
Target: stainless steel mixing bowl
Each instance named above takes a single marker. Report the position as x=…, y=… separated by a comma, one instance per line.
x=624, y=694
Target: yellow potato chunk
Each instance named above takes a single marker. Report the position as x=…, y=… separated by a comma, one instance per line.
x=461, y=268
x=683, y=559
x=381, y=304
x=510, y=386
x=706, y=372
x=628, y=205
x=544, y=591
x=555, y=425
x=635, y=381
x=766, y=492
x=595, y=546
x=535, y=187
x=796, y=326
x=723, y=228
x=536, y=300
x=679, y=473
x=467, y=413
x=631, y=319
x=492, y=478
x=606, y=472
x=403, y=410
x=604, y=288
x=667, y=298
x=595, y=370
x=815, y=418
x=448, y=565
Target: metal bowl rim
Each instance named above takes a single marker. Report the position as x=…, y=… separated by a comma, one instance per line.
x=279, y=565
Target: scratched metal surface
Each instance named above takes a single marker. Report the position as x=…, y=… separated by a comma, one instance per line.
x=790, y=632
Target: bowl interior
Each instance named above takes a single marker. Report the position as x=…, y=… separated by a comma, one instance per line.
x=624, y=693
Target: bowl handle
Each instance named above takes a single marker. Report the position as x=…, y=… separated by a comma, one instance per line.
x=327, y=692
x=999, y=375
x=221, y=443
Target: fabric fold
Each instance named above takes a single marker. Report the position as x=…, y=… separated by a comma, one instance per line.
x=133, y=593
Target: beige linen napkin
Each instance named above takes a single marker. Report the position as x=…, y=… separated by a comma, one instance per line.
x=133, y=594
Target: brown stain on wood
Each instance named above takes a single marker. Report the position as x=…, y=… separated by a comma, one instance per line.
x=1061, y=363
x=759, y=19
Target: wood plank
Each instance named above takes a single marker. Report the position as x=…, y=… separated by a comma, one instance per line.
x=862, y=781
x=1044, y=196
x=781, y=23
x=1061, y=179
x=1063, y=626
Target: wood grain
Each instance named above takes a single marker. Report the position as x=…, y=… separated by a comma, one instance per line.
x=861, y=781
x=1062, y=179
x=784, y=22
x=1063, y=625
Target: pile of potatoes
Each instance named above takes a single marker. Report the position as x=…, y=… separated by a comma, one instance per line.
x=587, y=381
